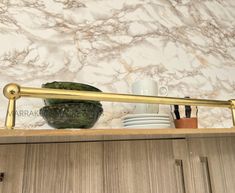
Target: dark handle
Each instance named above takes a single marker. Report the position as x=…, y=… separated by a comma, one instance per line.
x=1, y=176
x=180, y=174
x=206, y=173
x=188, y=110
x=176, y=111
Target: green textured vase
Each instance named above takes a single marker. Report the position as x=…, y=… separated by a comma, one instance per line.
x=71, y=115
x=69, y=86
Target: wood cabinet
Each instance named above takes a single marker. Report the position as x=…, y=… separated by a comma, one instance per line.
x=144, y=166
x=226, y=147
x=205, y=165
x=184, y=177
x=64, y=167
x=112, y=167
x=11, y=168
x=126, y=167
x=213, y=164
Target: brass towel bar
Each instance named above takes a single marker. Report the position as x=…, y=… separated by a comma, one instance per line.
x=13, y=91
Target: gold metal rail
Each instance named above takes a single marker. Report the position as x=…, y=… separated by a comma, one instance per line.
x=13, y=92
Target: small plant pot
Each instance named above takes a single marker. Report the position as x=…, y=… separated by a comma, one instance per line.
x=186, y=123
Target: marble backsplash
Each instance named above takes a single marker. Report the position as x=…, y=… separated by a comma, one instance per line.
x=187, y=45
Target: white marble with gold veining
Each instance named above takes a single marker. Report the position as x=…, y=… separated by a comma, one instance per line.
x=187, y=45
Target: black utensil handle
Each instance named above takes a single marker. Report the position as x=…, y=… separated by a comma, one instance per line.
x=176, y=111
x=188, y=110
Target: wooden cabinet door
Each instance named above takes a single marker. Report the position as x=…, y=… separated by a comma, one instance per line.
x=207, y=166
x=12, y=167
x=227, y=150
x=184, y=177
x=107, y=167
x=64, y=167
x=146, y=166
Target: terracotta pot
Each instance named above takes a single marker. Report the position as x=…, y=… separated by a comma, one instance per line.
x=186, y=123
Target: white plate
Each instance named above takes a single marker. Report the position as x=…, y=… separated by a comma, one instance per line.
x=146, y=122
x=148, y=126
x=145, y=119
x=144, y=115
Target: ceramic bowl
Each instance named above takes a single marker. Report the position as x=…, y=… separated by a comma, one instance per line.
x=71, y=115
x=69, y=86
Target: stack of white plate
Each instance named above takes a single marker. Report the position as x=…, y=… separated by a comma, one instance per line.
x=153, y=121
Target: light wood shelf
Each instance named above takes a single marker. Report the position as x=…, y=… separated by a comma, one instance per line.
x=82, y=135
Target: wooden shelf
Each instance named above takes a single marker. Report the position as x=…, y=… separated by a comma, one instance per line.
x=76, y=135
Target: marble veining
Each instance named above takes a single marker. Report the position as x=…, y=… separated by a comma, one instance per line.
x=187, y=45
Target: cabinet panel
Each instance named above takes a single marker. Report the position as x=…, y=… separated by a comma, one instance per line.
x=162, y=166
x=170, y=166
x=184, y=176
x=207, y=167
x=67, y=168
x=12, y=165
x=227, y=149
x=112, y=167
x=86, y=161
x=143, y=166
x=126, y=167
